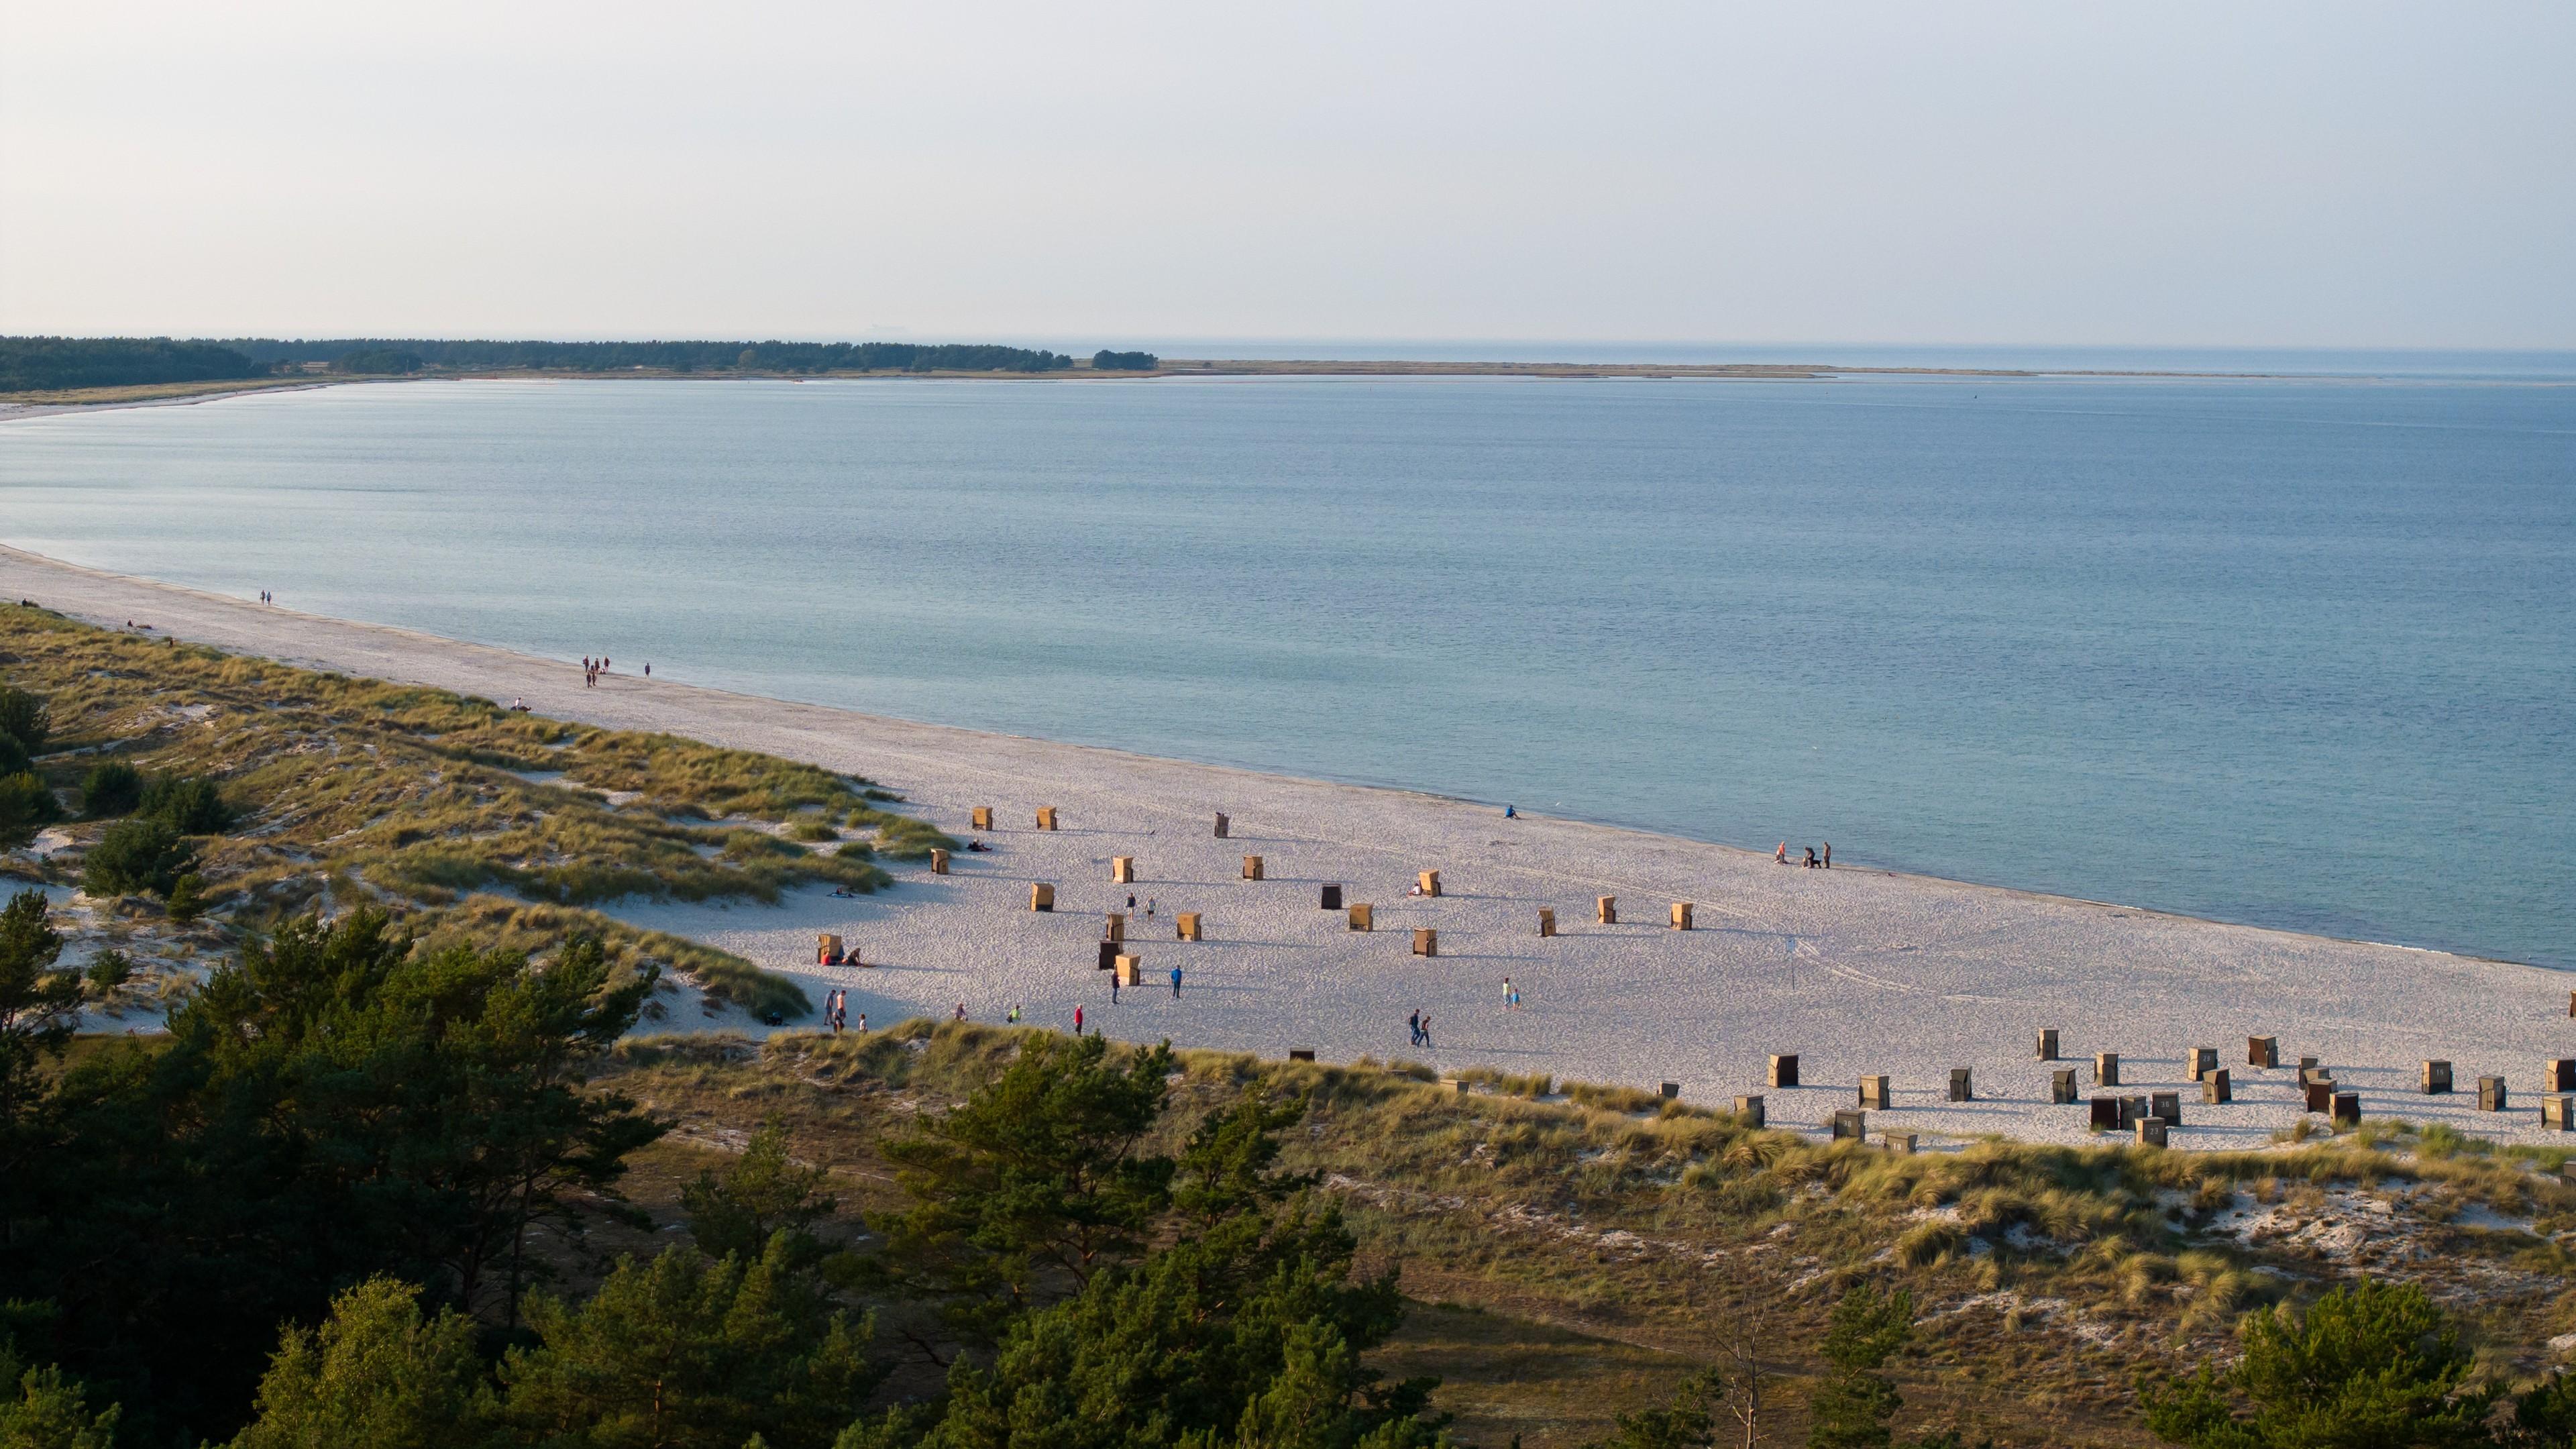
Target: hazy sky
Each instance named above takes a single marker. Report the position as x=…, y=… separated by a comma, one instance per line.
x=2289, y=174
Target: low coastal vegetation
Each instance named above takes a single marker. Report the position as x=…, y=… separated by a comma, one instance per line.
x=197, y=795
x=77, y=364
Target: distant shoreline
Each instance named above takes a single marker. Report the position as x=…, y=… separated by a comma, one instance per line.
x=46, y=404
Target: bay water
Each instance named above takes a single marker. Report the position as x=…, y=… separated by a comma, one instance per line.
x=2297, y=652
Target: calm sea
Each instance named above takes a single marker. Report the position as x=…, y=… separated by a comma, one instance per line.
x=2293, y=652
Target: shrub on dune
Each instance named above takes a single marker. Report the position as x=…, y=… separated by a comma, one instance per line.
x=137, y=857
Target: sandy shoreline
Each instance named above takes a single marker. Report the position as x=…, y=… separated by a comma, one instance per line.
x=1857, y=971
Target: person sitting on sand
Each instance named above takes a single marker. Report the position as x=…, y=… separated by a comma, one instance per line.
x=977, y=845
x=961, y=1011
x=1511, y=813
x=1781, y=856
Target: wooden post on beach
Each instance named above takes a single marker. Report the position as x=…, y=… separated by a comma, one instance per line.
x=2106, y=1069
x=2263, y=1051
x=1117, y=928
x=2047, y=1047
x=1220, y=825
x=2204, y=1060
x=1784, y=1070
x=1046, y=817
x=1750, y=1109
x=1296, y=1054
x=1671, y=1091
x=2215, y=1088
x=1960, y=1089
x=2061, y=1086
x=1041, y=897
x=1429, y=881
x=2320, y=1095
x=2558, y=1113
x=1874, y=1093
x=1606, y=910
x=1329, y=898
x=938, y=861
x=1363, y=917
x=1186, y=925
x=1426, y=941
x=1122, y=870
x=1681, y=915
x=2347, y=1109
x=2560, y=1075
x=2437, y=1079
x=2491, y=1094
x=1546, y=921
x=983, y=817
x=2167, y=1105
x=1852, y=1125
x=2102, y=1114
x=2151, y=1131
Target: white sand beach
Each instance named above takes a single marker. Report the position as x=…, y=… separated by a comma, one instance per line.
x=1856, y=970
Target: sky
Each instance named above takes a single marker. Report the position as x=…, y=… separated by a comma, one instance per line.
x=2175, y=174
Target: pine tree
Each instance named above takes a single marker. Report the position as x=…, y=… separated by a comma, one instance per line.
x=377, y=1374
x=1854, y=1405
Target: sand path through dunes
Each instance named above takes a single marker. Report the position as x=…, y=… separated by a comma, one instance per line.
x=1857, y=971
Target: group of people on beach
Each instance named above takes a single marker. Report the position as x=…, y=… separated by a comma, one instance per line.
x=1781, y=856
x=591, y=669
x=836, y=1011
x=266, y=597
x=1420, y=1025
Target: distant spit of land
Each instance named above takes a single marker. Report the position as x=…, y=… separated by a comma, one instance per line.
x=49, y=374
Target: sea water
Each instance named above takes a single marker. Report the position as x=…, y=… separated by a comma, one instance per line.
x=2296, y=652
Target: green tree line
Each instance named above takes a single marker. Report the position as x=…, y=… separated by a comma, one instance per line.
x=29, y=364
x=36, y=363
x=673, y=356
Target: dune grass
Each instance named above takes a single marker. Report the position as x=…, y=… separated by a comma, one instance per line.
x=432, y=802
x=2055, y=1272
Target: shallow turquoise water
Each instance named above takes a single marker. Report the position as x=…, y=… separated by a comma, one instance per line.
x=2300, y=653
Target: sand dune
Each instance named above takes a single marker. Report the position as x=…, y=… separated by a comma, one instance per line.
x=1856, y=970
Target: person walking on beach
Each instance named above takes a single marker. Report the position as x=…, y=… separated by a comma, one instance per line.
x=1425, y=1029
x=1829, y=855
x=1113, y=988
x=1508, y=994
x=1176, y=983
x=1413, y=1028
x=1077, y=1017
